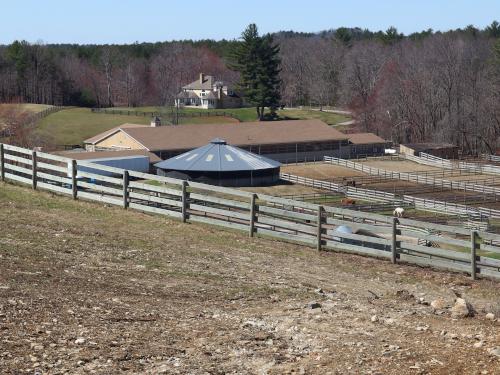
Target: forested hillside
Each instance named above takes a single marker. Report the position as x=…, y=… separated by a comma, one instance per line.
x=420, y=87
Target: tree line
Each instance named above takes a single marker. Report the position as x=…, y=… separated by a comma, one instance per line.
x=426, y=86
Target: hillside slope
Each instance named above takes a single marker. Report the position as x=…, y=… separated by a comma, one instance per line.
x=87, y=288
x=72, y=126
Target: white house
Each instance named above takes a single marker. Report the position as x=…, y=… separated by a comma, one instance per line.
x=206, y=93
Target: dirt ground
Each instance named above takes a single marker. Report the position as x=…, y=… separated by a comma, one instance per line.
x=283, y=189
x=320, y=171
x=90, y=289
x=398, y=165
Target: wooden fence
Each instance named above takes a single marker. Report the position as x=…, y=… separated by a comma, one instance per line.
x=420, y=179
x=494, y=158
x=425, y=204
x=170, y=113
x=333, y=199
x=398, y=240
x=32, y=119
x=435, y=161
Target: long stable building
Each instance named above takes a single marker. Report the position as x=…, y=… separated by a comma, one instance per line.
x=285, y=141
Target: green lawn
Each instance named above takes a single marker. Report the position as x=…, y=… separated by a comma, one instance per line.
x=73, y=126
x=328, y=117
x=242, y=114
x=250, y=114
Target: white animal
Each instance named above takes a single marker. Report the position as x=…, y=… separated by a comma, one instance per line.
x=399, y=212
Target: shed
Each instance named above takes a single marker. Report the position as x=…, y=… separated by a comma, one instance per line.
x=368, y=144
x=441, y=150
x=138, y=163
x=218, y=163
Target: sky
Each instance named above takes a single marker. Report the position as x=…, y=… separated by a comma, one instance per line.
x=129, y=21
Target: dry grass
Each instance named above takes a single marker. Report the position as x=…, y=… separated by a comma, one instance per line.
x=152, y=295
x=34, y=108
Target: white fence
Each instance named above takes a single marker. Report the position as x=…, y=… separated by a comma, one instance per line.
x=489, y=157
x=417, y=178
x=399, y=240
x=435, y=161
x=432, y=205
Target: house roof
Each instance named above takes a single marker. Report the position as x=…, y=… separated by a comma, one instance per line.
x=182, y=137
x=109, y=132
x=218, y=156
x=84, y=155
x=365, y=138
x=197, y=85
x=210, y=95
x=187, y=95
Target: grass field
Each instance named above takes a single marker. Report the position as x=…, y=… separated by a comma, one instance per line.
x=72, y=126
x=250, y=114
x=328, y=117
x=86, y=288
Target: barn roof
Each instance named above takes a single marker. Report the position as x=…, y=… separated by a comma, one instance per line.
x=365, y=138
x=182, y=137
x=218, y=156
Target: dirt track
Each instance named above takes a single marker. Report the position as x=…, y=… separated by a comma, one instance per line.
x=320, y=171
x=92, y=289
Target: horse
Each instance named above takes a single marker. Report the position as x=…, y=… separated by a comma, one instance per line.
x=348, y=201
x=399, y=212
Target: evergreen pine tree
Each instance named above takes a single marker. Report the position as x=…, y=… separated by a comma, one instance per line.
x=257, y=60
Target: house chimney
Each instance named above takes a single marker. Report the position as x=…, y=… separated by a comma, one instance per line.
x=202, y=77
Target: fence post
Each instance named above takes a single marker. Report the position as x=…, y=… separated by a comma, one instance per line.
x=473, y=257
x=2, y=162
x=33, y=170
x=394, y=251
x=74, y=187
x=185, y=197
x=320, y=225
x=253, y=209
x=125, y=189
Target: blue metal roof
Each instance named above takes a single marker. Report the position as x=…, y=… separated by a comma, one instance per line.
x=218, y=156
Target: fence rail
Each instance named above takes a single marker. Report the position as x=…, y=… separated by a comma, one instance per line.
x=418, y=178
x=435, y=161
x=425, y=204
x=171, y=113
x=398, y=240
x=494, y=158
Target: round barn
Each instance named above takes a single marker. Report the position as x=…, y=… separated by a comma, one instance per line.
x=218, y=163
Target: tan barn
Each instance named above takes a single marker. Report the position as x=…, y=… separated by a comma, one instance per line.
x=294, y=140
x=442, y=150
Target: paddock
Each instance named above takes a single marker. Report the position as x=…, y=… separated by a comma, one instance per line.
x=459, y=195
